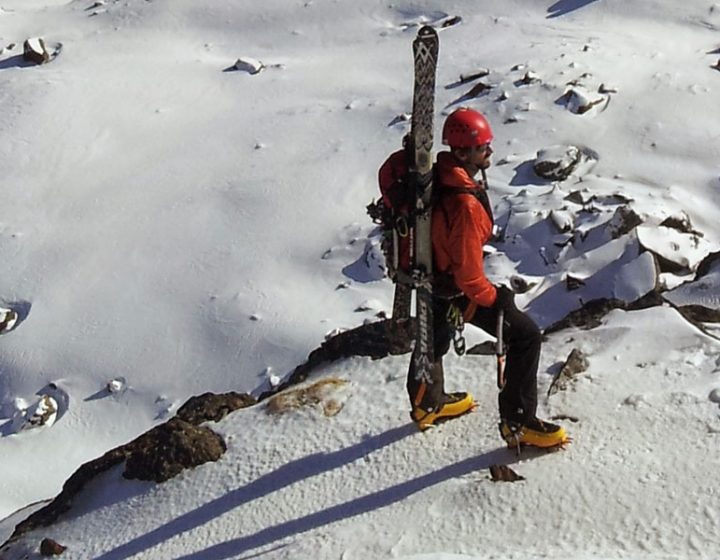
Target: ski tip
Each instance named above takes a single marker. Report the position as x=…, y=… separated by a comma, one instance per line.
x=426, y=31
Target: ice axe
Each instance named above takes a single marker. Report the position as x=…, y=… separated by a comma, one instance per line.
x=500, y=350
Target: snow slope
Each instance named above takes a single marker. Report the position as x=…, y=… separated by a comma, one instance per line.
x=185, y=227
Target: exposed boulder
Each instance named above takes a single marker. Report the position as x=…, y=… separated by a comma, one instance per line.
x=557, y=163
x=591, y=313
x=168, y=449
x=249, y=65
x=624, y=220
x=682, y=223
x=676, y=252
x=375, y=340
x=34, y=50
x=158, y=455
x=8, y=320
x=699, y=300
x=579, y=100
x=563, y=220
x=42, y=412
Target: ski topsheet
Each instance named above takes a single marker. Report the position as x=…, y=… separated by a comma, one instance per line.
x=425, y=51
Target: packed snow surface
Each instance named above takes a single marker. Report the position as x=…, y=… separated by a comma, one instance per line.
x=184, y=189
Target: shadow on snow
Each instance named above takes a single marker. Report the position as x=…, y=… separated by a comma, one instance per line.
x=565, y=6
x=294, y=472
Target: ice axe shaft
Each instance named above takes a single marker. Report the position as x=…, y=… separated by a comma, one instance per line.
x=500, y=350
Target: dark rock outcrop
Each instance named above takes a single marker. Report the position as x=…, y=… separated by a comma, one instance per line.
x=210, y=407
x=168, y=449
x=159, y=454
x=375, y=340
x=34, y=50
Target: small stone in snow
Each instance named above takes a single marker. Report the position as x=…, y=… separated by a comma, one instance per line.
x=49, y=547
x=249, y=65
x=557, y=162
x=714, y=395
x=34, y=51
x=116, y=385
x=503, y=473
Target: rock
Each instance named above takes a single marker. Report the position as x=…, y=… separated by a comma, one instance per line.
x=41, y=413
x=476, y=90
x=714, y=396
x=699, y=300
x=676, y=252
x=49, y=547
x=529, y=78
x=557, y=163
x=249, y=65
x=576, y=363
x=503, y=473
x=168, y=449
x=623, y=221
x=117, y=385
x=708, y=264
x=158, y=455
x=520, y=285
x=564, y=221
x=581, y=197
x=681, y=222
x=34, y=51
x=8, y=320
x=578, y=100
x=573, y=282
x=209, y=407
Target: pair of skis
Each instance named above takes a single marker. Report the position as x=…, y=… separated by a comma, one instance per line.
x=425, y=55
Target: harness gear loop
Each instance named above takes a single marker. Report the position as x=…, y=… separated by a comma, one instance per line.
x=401, y=226
x=455, y=318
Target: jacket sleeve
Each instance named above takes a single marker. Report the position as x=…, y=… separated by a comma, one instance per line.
x=470, y=230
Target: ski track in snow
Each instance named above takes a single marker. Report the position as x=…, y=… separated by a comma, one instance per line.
x=203, y=230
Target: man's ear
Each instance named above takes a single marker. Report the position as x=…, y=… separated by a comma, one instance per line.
x=461, y=155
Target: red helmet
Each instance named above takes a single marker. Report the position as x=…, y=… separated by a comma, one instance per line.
x=465, y=128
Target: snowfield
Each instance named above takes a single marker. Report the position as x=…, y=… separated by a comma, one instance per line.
x=184, y=188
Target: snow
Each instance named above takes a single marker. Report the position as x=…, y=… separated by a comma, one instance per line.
x=170, y=228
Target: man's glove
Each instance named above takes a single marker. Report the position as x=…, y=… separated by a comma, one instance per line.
x=505, y=298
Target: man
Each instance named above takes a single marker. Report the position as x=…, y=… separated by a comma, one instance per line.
x=462, y=224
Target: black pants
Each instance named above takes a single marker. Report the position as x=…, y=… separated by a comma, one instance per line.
x=522, y=340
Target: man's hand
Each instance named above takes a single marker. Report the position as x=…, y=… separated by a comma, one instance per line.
x=505, y=298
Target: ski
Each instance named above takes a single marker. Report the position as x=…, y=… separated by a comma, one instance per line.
x=425, y=51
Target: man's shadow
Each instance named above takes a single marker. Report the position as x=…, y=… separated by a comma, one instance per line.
x=565, y=6
x=294, y=472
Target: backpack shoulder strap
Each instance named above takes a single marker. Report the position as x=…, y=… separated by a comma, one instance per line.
x=480, y=195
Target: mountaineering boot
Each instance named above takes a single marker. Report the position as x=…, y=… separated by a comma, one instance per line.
x=534, y=432
x=454, y=405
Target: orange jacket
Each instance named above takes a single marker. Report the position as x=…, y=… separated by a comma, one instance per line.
x=460, y=228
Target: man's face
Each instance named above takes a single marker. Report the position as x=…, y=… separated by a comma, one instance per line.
x=479, y=156
x=476, y=158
